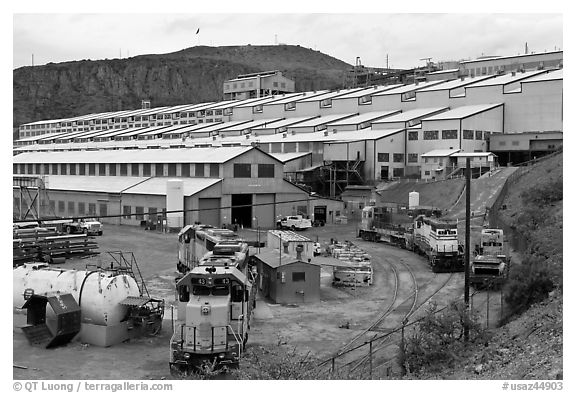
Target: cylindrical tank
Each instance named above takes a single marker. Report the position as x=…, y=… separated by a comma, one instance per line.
x=413, y=200
x=101, y=291
x=175, y=201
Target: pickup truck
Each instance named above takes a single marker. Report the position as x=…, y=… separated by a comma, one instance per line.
x=89, y=226
x=294, y=223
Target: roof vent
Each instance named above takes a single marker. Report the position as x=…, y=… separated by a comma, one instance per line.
x=325, y=133
x=284, y=134
x=334, y=131
x=293, y=132
x=247, y=136
x=513, y=73
x=462, y=78
x=214, y=137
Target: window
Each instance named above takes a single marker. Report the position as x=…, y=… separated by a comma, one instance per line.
x=478, y=135
x=214, y=170
x=172, y=169
x=82, y=169
x=467, y=134
x=146, y=170
x=515, y=143
x=123, y=169
x=126, y=211
x=152, y=214
x=70, y=208
x=46, y=169
x=61, y=207
x=265, y=170
x=139, y=213
x=135, y=170
x=103, y=210
x=398, y=172
x=398, y=157
x=426, y=173
x=185, y=170
x=37, y=169
x=242, y=170
x=159, y=170
x=92, y=169
x=112, y=169
x=502, y=143
x=289, y=147
x=81, y=208
x=102, y=169
x=283, y=84
x=91, y=209
x=383, y=157
x=72, y=169
x=430, y=135
x=487, y=135
x=63, y=169
x=412, y=135
x=298, y=276
x=449, y=134
x=54, y=169
x=413, y=157
x=275, y=84
x=199, y=170
x=52, y=205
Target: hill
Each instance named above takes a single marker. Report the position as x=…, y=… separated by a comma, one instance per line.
x=439, y=194
x=192, y=75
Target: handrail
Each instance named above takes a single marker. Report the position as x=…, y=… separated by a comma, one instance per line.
x=237, y=341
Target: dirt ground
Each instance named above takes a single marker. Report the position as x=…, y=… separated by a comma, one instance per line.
x=313, y=328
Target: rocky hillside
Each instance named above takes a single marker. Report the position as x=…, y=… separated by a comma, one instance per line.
x=188, y=76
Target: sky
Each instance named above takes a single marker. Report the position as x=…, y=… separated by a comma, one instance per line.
x=405, y=38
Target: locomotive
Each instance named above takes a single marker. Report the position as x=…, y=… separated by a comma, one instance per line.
x=491, y=261
x=438, y=240
x=215, y=299
x=430, y=236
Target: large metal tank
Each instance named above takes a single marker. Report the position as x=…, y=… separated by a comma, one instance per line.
x=97, y=292
x=413, y=200
x=175, y=201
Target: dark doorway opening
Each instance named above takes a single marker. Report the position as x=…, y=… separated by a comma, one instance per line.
x=241, y=214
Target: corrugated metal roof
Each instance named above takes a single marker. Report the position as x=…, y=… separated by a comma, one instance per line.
x=408, y=88
x=285, y=157
x=475, y=154
x=273, y=258
x=252, y=124
x=361, y=135
x=269, y=99
x=506, y=79
x=363, y=118
x=510, y=57
x=332, y=94
x=440, y=153
x=188, y=128
x=299, y=96
x=187, y=155
x=284, y=123
x=368, y=91
x=462, y=112
x=322, y=120
x=108, y=184
x=410, y=115
x=157, y=185
x=455, y=84
x=549, y=76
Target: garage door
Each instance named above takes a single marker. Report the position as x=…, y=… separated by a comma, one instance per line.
x=208, y=215
x=264, y=213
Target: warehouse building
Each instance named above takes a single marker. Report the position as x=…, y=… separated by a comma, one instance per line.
x=257, y=85
x=505, y=64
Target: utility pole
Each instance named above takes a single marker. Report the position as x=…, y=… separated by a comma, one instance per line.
x=32, y=59
x=467, y=249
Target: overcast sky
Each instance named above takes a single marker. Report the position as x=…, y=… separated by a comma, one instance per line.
x=405, y=38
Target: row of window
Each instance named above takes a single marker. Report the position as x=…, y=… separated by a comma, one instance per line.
x=396, y=157
x=250, y=84
x=139, y=213
x=240, y=170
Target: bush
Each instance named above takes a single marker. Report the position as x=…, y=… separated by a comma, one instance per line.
x=438, y=339
x=528, y=283
x=544, y=194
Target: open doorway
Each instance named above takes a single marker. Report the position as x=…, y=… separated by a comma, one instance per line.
x=241, y=214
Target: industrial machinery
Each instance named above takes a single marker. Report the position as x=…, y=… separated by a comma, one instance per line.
x=214, y=307
x=491, y=262
x=114, y=307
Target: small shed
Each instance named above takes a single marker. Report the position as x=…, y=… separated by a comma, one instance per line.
x=284, y=279
x=288, y=241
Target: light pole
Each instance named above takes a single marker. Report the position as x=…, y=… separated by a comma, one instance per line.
x=257, y=232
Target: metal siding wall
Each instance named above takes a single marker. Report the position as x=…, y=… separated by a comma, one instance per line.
x=209, y=217
x=265, y=214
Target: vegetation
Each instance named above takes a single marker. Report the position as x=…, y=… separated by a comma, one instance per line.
x=438, y=340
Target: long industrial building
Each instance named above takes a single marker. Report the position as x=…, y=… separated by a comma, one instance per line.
x=253, y=151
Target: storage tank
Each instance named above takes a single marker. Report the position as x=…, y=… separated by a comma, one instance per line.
x=413, y=200
x=175, y=201
x=98, y=292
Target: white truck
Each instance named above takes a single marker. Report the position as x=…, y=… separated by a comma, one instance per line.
x=294, y=223
x=89, y=226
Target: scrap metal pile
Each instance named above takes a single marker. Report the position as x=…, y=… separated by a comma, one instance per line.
x=49, y=245
x=358, y=269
